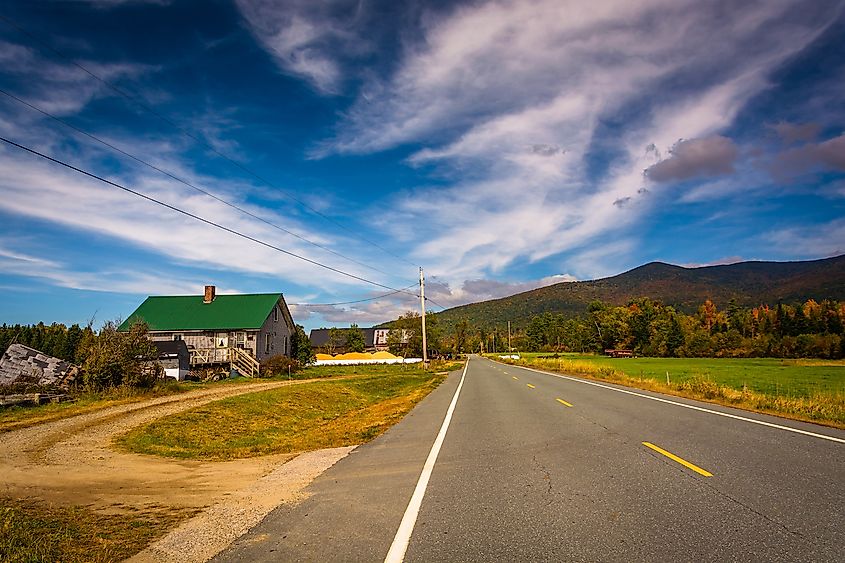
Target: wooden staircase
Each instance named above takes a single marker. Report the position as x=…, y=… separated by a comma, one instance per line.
x=243, y=361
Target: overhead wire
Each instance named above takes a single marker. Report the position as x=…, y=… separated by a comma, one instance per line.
x=376, y=298
x=186, y=183
x=199, y=218
x=190, y=135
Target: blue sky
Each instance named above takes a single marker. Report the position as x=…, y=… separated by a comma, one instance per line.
x=501, y=145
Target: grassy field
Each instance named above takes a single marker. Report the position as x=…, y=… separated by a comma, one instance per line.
x=37, y=531
x=794, y=378
x=316, y=415
x=811, y=390
x=13, y=418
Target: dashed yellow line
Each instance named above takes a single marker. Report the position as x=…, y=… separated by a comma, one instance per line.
x=562, y=402
x=515, y=377
x=531, y=386
x=683, y=462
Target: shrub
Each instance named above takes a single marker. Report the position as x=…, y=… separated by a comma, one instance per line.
x=279, y=365
x=115, y=358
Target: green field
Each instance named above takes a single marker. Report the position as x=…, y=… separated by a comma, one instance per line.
x=772, y=376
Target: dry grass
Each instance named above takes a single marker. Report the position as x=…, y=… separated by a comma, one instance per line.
x=32, y=530
x=322, y=414
x=820, y=408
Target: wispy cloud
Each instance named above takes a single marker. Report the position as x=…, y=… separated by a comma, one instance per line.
x=490, y=82
x=805, y=242
x=152, y=281
x=307, y=39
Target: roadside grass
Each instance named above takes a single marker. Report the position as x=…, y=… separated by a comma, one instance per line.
x=17, y=417
x=812, y=392
x=32, y=530
x=302, y=417
x=435, y=366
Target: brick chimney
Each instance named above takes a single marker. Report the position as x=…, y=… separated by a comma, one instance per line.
x=210, y=294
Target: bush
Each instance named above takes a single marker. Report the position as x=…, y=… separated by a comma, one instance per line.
x=279, y=365
x=115, y=358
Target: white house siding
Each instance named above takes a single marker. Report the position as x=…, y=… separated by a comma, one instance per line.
x=210, y=340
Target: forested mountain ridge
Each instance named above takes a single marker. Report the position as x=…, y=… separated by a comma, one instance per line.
x=747, y=283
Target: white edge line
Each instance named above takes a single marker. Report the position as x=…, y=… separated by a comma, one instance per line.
x=406, y=527
x=693, y=407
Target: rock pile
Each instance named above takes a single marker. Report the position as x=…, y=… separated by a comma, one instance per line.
x=22, y=364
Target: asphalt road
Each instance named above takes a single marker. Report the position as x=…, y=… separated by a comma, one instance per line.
x=523, y=476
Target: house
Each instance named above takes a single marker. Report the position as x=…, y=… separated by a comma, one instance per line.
x=241, y=330
x=375, y=339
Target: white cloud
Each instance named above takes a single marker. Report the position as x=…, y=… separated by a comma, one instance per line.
x=811, y=242
x=306, y=38
x=47, y=192
x=153, y=281
x=488, y=81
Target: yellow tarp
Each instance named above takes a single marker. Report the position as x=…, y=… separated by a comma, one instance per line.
x=384, y=356
x=353, y=356
x=359, y=356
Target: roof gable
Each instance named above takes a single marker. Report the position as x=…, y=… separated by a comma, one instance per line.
x=189, y=312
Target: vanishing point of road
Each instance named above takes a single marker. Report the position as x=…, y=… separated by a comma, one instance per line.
x=503, y=463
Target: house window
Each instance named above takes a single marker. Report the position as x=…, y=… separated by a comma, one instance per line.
x=221, y=340
x=240, y=339
x=267, y=344
x=286, y=345
x=177, y=337
x=275, y=314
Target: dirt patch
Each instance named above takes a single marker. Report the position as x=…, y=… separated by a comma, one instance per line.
x=70, y=461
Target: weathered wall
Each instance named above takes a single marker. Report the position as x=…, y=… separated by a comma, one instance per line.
x=279, y=333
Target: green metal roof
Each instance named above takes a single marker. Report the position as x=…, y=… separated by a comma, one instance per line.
x=188, y=312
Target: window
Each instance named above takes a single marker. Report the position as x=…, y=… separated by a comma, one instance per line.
x=275, y=314
x=286, y=345
x=177, y=337
x=267, y=344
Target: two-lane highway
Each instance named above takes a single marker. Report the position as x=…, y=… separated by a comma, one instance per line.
x=536, y=467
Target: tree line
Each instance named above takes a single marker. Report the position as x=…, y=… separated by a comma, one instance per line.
x=56, y=340
x=650, y=328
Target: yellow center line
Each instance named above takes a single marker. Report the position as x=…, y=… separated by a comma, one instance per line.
x=683, y=462
x=529, y=385
x=562, y=402
x=515, y=377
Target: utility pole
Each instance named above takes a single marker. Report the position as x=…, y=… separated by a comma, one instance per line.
x=422, y=308
x=510, y=348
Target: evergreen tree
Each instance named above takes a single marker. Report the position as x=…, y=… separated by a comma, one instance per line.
x=355, y=339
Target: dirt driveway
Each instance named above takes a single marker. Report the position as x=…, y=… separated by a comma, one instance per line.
x=71, y=462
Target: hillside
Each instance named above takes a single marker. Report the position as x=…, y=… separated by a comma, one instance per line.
x=750, y=283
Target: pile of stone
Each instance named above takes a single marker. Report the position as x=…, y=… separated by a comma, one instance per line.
x=24, y=365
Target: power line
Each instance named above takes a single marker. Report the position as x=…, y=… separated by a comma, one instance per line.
x=197, y=217
x=376, y=298
x=185, y=182
x=199, y=140
x=435, y=302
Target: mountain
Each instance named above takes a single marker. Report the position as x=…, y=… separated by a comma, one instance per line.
x=749, y=283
